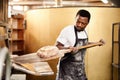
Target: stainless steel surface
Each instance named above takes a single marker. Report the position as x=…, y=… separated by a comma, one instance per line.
x=5, y=63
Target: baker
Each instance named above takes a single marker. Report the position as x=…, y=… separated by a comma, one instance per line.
x=71, y=66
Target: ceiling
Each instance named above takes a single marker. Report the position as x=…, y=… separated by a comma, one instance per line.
x=33, y=4
x=59, y=3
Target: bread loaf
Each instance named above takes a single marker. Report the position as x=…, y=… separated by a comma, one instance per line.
x=48, y=51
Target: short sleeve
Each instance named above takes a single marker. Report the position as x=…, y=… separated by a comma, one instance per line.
x=67, y=36
x=62, y=38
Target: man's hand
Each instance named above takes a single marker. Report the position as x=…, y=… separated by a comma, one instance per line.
x=73, y=49
x=102, y=41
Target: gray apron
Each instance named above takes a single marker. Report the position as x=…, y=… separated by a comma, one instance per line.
x=72, y=66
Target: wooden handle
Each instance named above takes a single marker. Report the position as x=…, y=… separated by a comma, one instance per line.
x=90, y=45
x=84, y=47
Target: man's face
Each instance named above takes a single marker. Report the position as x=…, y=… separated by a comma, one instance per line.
x=81, y=22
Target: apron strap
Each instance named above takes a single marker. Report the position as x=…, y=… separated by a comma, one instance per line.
x=76, y=36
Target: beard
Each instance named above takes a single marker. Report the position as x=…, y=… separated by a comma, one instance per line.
x=79, y=29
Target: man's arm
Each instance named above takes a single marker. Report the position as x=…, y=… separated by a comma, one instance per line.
x=61, y=46
x=101, y=40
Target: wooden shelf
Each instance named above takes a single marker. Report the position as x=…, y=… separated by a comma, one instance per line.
x=17, y=40
x=116, y=51
x=3, y=24
x=116, y=41
x=18, y=50
x=18, y=29
x=18, y=16
x=116, y=65
x=17, y=34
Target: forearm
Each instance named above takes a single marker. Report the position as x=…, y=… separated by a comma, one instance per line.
x=61, y=46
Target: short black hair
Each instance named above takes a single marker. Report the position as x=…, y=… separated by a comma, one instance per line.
x=84, y=13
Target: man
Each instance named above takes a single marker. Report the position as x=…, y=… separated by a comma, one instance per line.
x=71, y=65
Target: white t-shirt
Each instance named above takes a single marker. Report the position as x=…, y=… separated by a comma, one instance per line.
x=67, y=36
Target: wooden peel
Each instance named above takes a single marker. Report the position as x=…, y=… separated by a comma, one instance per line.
x=33, y=57
x=28, y=66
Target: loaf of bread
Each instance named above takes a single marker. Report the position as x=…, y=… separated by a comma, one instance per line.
x=47, y=51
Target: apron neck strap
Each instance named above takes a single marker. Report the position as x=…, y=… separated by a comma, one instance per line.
x=76, y=36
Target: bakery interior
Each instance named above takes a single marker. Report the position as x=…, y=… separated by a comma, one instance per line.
x=28, y=25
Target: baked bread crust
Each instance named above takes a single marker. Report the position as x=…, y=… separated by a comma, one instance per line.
x=47, y=51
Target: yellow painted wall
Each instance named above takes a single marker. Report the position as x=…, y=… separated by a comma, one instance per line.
x=44, y=25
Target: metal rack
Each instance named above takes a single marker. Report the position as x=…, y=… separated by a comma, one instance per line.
x=5, y=64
